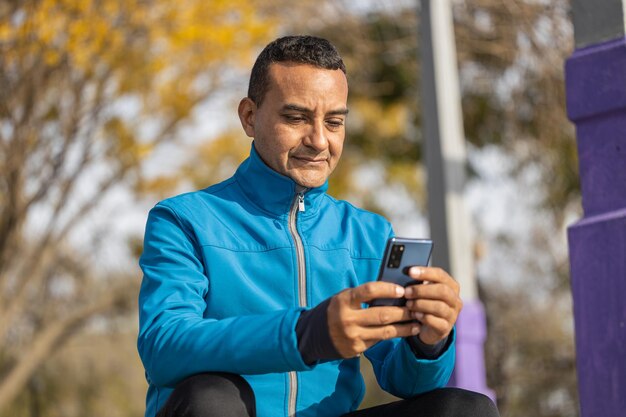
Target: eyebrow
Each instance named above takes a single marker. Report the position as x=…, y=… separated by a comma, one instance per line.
x=295, y=107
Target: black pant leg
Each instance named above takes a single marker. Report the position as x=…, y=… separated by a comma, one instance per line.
x=444, y=402
x=211, y=395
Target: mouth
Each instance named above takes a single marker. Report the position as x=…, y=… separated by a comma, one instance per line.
x=309, y=160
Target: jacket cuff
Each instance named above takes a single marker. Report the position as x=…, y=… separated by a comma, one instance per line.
x=314, y=342
x=426, y=351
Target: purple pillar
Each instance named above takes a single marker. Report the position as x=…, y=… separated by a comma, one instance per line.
x=596, y=103
x=469, y=370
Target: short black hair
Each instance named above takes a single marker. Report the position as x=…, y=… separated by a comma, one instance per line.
x=300, y=49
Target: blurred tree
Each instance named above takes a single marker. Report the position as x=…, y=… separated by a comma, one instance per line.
x=511, y=56
x=106, y=379
x=88, y=90
x=530, y=353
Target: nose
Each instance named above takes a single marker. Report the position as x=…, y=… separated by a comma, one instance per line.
x=316, y=137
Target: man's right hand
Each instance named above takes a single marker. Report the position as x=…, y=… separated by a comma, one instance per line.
x=353, y=329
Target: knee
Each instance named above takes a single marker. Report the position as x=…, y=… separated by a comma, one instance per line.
x=211, y=394
x=468, y=403
x=216, y=387
x=455, y=402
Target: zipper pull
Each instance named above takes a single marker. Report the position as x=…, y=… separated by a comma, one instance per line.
x=300, y=202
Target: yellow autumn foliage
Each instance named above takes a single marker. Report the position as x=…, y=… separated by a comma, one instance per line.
x=89, y=90
x=169, y=55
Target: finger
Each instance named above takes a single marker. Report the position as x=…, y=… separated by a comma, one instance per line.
x=377, y=316
x=390, y=331
x=437, y=325
x=372, y=290
x=430, y=277
x=424, y=273
x=433, y=292
x=430, y=307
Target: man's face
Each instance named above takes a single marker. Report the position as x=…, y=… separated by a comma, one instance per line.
x=299, y=127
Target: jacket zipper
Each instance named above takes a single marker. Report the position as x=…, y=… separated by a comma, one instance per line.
x=297, y=206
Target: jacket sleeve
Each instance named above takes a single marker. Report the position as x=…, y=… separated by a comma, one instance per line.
x=175, y=340
x=399, y=372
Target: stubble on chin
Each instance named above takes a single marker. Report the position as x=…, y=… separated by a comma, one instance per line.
x=310, y=179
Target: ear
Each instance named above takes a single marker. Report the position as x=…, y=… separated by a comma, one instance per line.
x=247, y=111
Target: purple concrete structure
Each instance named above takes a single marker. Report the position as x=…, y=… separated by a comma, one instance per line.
x=596, y=103
x=469, y=371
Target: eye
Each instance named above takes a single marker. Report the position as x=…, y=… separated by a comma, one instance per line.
x=335, y=124
x=294, y=118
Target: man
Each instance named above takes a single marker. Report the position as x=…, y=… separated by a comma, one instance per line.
x=252, y=301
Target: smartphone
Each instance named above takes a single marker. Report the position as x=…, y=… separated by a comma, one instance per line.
x=400, y=255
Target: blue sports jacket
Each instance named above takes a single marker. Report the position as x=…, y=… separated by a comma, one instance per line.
x=227, y=271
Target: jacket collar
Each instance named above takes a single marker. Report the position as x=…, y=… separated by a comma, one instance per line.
x=273, y=192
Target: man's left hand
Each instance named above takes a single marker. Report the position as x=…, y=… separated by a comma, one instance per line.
x=435, y=303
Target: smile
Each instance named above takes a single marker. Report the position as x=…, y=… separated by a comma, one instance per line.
x=310, y=161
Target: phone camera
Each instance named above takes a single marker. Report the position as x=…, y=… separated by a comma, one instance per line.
x=395, y=256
